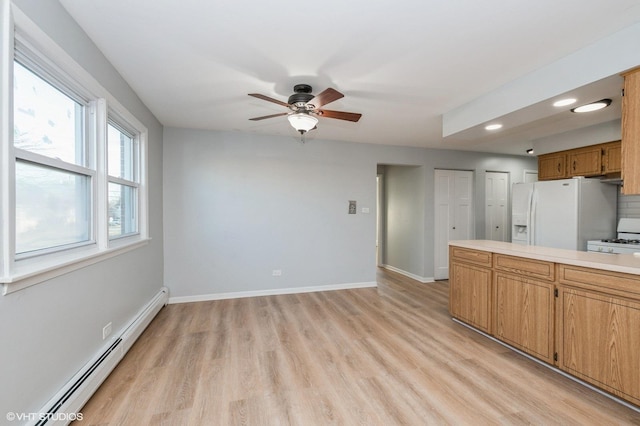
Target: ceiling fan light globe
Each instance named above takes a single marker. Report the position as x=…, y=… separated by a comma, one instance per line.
x=302, y=122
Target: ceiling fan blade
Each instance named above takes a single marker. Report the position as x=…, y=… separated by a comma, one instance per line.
x=269, y=116
x=340, y=115
x=266, y=98
x=328, y=95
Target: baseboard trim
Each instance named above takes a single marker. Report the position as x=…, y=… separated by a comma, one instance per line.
x=423, y=280
x=76, y=392
x=273, y=292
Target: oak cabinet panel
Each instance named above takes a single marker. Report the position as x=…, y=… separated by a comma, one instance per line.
x=594, y=160
x=470, y=294
x=521, y=265
x=478, y=257
x=585, y=161
x=631, y=133
x=524, y=314
x=612, y=157
x=599, y=339
x=552, y=166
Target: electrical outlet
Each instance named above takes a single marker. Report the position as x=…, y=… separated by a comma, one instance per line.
x=106, y=331
x=276, y=272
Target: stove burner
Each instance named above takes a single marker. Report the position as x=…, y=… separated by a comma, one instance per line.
x=621, y=241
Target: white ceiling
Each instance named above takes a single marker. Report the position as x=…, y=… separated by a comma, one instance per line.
x=402, y=64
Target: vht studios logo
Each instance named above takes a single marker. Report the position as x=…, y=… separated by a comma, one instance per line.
x=11, y=416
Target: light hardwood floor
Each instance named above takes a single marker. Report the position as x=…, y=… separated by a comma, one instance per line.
x=384, y=356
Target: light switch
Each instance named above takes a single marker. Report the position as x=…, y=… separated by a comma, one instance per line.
x=352, y=207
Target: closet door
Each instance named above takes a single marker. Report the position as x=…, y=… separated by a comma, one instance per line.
x=454, y=218
x=496, y=206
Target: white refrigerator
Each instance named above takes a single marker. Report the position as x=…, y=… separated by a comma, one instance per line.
x=563, y=213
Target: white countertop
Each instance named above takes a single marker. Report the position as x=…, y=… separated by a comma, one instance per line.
x=626, y=263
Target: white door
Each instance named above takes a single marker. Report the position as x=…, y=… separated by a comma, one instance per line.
x=454, y=217
x=496, y=206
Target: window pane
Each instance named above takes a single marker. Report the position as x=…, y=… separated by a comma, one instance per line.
x=122, y=210
x=121, y=154
x=46, y=121
x=53, y=207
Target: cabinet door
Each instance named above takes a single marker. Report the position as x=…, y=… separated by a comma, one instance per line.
x=585, y=162
x=599, y=340
x=552, y=166
x=524, y=312
x=612, y=157
x=631, y=133
x=470, y=295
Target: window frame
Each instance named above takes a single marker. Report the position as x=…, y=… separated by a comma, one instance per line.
x=100, y=107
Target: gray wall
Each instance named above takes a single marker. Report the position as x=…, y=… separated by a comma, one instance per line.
x=49, y=331
x=404, y=201
x=238, y=206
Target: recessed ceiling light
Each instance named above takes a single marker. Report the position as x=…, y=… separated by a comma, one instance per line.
x=530, y=151
x=593, y=106
x=564, y=102
x=493, y=126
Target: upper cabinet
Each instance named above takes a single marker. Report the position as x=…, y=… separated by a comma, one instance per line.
x=552, y=166
x=595, y=160
x=612, y=158
x=631, y=133
x=585, y=161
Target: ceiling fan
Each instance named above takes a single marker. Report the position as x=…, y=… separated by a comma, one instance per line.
x=306, y=107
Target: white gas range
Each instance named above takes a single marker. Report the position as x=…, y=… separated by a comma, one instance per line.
x=627, y=241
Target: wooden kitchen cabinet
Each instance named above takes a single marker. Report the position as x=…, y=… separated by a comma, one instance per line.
x=585, y=161
x=470, y=286
x=593, y=160
x=524, y=304
x=612, y=157
x=552, y=166
x=583, y=320
x=524, y=314
x=598, y=327
x=599, y=337
x=631, y=133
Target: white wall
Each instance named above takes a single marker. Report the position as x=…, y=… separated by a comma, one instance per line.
x=49, y=331
x=238, y=206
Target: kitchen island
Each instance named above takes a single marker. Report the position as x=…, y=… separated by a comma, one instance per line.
x=575, y=311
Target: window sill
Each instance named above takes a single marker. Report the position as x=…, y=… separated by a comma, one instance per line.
x=27, y=275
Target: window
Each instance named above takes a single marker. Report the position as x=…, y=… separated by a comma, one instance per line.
x=52, y=184
x=74, y=186
x=123, y=183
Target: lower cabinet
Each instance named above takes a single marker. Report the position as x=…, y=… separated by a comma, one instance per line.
x=524, y=314
x=585, y=321
x=598, y=326
x=470, y=294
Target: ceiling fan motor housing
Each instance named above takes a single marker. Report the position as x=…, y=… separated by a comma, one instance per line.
x=301, y=96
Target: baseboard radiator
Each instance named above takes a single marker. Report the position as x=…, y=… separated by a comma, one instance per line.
x=60, y=409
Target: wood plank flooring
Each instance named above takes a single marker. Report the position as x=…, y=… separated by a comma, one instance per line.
x=385, y=356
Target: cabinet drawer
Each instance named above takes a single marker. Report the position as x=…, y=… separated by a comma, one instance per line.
x=477, y=257
x=528, y=267
x=619, y=284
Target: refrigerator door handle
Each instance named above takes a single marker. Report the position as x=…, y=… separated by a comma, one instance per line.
x=531, y=212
